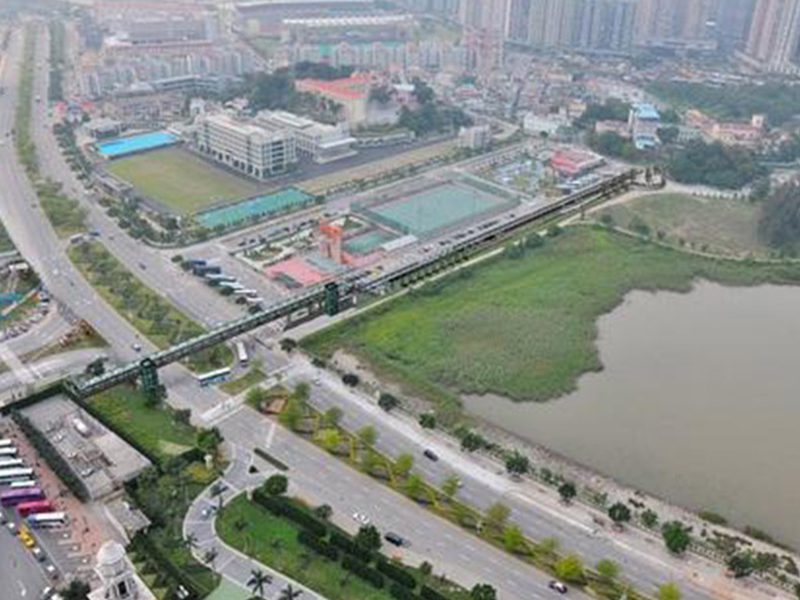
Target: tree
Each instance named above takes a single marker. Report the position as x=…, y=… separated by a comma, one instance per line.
x=289, y=593
x=288, y=345
x=369, y=538
x=293, y=413
x=483, y=591
x=276, y=485
x=388, y=402
x=450, y=486
x=324, y=512
x=669, y=591
x=209, y=439
x=369, y=461
x=779, y=224
x=513, y=539
x=607, y=569
x=350, y=379
x=426, y=568
x=497, y=516
x=330, y=439
x=741, y=564
x=414, y=486
x=619, y=513
x=258, y=580
x=332, y=416
x=567, y=491
x=517, y=464
x=548, y=545
x=256, y=396
x=472, y=441
x=76, y=590
x=427, y=421
x=676, y=536
x=649, y=519
x=569, y=568
x=403, y=465
x=367, y=436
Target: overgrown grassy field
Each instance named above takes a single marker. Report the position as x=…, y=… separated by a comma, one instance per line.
x=716, y=225
x=153, y=427
x=525, y=327
x=179, y=180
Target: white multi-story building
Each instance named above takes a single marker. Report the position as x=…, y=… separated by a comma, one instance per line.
x=321, y=142
x=253, y=150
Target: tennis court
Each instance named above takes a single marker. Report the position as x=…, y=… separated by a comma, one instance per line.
x=367, y=242
x=135, y=143
x=285, y=200
x=436, y=208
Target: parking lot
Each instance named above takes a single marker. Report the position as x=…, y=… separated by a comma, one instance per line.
x=44, y=557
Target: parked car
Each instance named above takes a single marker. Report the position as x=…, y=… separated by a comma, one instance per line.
x=395, y=539
x=361, y=518
x=38, y=553
x=557, y=586
x=52, y=572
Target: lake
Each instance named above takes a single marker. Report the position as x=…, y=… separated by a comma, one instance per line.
x=699, y=403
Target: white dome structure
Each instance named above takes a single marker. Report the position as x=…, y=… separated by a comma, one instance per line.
x=116, y=573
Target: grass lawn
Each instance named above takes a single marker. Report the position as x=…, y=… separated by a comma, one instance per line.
x=154, y=428
x=236, y=386
x=273, y=542
x=716, y=225
x=181, y=181
x=523, y=328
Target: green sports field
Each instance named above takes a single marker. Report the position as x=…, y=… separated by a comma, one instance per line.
x=180, y=181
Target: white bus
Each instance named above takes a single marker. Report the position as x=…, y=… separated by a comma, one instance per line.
x=22, y=484
x=8, y=451
x=241, y=353
x=213, y=377
x=15, y=474
x=248, y=293
x=47, y=520
x=7, y=463
x=5, y=443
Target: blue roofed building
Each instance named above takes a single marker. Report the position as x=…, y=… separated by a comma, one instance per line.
x=644, y=122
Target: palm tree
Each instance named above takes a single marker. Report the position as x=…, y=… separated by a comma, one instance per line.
x=190, y=541
x=289, y=593
x=258, y=580
x=210, y=556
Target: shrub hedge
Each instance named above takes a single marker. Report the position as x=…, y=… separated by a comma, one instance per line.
x=363, y=571
x=348, y=546
x=319, y=546
x=396, y=574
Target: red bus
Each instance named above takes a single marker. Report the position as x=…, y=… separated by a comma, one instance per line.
x=36, y=506
x=12, y=497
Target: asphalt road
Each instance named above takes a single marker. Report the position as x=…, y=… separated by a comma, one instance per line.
x=319, y=479
x=20, y=575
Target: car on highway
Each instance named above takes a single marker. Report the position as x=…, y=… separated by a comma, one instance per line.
x=47, y=593
x=361, y=518
x=430, y=455
x=557, y=586
x=136, y=347
x=394, y=539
